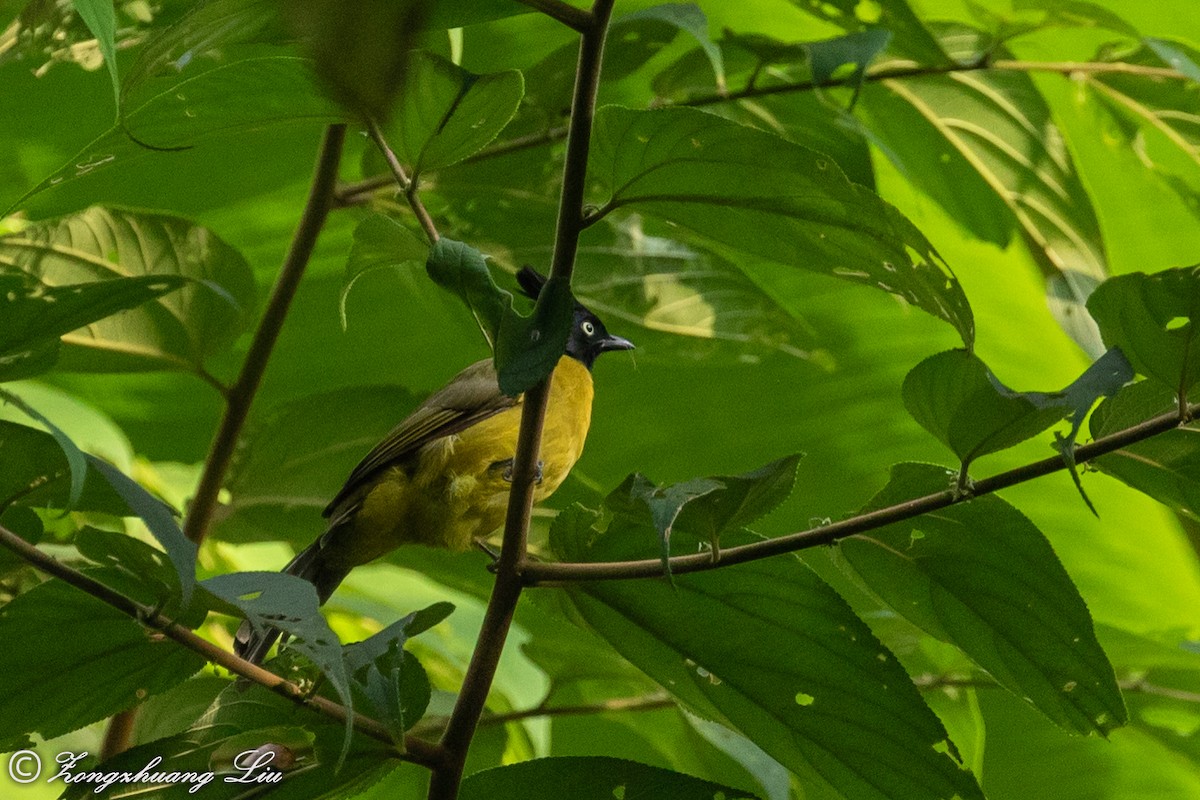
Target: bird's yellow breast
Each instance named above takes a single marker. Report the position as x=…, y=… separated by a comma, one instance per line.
x=457, y=490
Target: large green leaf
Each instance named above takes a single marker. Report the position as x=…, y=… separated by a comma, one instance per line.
x=981, y=576
x=92, y=659
x=380, y=242
x=590, y=778
x=101, y=19
x=776, y=652
x=446, y=114
x=708, y=174
x=1166, y=467
x=178, y=331
x=1154, y=319
x=34, y=472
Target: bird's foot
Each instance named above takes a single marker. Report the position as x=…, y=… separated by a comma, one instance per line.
x=507, y=466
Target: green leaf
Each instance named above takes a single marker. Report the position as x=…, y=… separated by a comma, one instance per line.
x=1177, y=55
x=642, y=501
x=981, y=576
x=76, y=460
x=392, y=680
x=101, y=19
x=590, y=778
x=33, y=316
x=462, y=270
x=912, y=39
x=707, y=174
x=954, y=396
x=776, y=653
x=1154, y=319
x=359, y=47
x=686, y=17
x=380, y=242
x=24, y=523
x=35, y=472
x=243, y=724
x=1166, y=467
x=92, y=659
x=159, y=518
x=446, y=114
x=858, y=50
x=139, y=571
x=277, y=600
x=179, y=330
x=528, y=348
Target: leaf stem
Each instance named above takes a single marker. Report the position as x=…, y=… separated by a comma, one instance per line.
x=477, y=682
x=241, y=393
x=540, y=573
x=417, y=750
x=408, y=185
x=649, y=702
x=574, y=18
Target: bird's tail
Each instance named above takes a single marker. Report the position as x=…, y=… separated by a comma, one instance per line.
x=313, y=565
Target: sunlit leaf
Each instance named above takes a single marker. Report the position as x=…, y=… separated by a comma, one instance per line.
x=707, y=174
x=177, y=331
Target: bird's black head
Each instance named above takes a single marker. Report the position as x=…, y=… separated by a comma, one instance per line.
x=588, y=338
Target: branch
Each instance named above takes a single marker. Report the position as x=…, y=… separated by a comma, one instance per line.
x=241, y=394
x=540, y=573
x=477, y=682
x=357, y=192
x=575, y=18
x=418, y=751
x=408, y=185
x=650, y=702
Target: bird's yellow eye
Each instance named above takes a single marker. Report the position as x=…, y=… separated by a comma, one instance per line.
x=588, y=328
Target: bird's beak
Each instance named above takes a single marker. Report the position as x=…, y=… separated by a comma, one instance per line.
x=615, y=343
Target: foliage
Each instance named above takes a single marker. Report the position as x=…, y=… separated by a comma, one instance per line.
x=842, y=229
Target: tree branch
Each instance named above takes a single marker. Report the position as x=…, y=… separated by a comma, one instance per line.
x=418, y=751
x=407, y=184
x=558, y=572
x=241, y=394
x=477, y=682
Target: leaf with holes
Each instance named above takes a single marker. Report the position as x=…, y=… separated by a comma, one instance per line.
x=176, y=331
x=774, y=652
x=1154, y=319
x=981, y=576
x=707, y=174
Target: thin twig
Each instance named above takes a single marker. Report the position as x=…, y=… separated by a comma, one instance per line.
x=418, y=751
x=241, y=394
x=650, y=702
x=460, y=728
x=1133, y=685
x=408, y=185
x=358, y=192
x=535, y=573
x=572, y=17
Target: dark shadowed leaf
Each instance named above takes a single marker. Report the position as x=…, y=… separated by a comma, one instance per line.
x=446, y=114
x=1166, y=467
x=33, y=316
x=527, y=348
x=590, y=778
x=1155, y=320
x=178, y=330
x=707, y=174
x=101, y=19
x=35, y=472
x=76, y=461
x=912, y=39
x=686, y=17
x=91, y=658
x=957, y=398
x=462, y=270
x=981, y=576
x=778, y=655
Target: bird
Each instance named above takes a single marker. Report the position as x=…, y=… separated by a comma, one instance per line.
x=442, y=476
